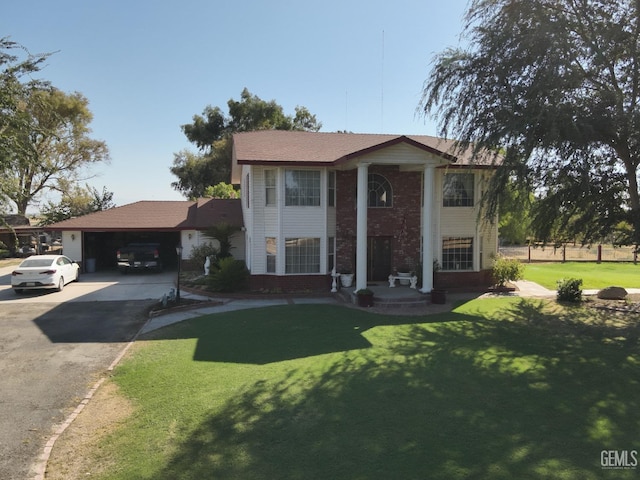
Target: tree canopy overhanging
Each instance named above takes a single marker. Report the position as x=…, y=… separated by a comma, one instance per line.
x=552, y=85
x=211, y=133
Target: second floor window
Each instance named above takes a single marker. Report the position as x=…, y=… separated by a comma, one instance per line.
x=380, y=194
x=270, y=187
x=457, y=190
x=302, y=188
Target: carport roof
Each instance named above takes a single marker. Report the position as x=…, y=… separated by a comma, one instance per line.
x=159, y=215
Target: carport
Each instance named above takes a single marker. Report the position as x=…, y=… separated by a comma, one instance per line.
x=94, y=239
x=103, y=245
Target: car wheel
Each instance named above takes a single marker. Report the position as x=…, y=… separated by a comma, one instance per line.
x=60, y=284
x=17, y=290
x=77, y=275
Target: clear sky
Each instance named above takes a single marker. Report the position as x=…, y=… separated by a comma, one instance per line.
x=147, y=67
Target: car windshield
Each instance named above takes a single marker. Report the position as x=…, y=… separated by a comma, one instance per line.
x=36, y=262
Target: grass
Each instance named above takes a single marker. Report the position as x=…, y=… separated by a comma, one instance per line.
x=7, y=262
x=497, y=389
x=593, y=275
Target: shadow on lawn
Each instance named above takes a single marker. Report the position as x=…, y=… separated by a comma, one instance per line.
x=533, y=395
x=280, y=333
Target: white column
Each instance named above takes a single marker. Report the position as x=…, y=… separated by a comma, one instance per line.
x=361, y=226
x=427, y=237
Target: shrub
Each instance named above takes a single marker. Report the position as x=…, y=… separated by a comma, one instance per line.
x=230, y=275
x=199, y=254
x=569, y=290
x=507, y=270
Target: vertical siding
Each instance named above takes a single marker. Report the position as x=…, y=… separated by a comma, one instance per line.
x=283, y=222
x=465, y=222
x=247, y=214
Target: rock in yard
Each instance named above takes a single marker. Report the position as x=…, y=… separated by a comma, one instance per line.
x=612, y=293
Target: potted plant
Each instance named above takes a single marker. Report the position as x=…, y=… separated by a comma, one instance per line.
x=346, y=279
x=438, y=295
x=365, y=297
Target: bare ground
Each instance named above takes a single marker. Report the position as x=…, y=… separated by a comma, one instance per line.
x=74, y=455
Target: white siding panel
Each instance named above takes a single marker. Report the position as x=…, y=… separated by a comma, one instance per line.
x=72, y=248
x=458, y=221
x=401, y=154
x=303, y=222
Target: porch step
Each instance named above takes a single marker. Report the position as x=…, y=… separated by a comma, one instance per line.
x=388, y=298
x=413, y=301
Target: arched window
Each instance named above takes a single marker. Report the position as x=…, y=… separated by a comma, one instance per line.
x=380, y=194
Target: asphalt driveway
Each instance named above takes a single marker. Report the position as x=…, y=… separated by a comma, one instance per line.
x=53, y=348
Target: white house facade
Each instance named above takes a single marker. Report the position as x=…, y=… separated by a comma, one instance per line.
x=372, y=205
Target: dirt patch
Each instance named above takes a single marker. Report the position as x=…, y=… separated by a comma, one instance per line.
x=72, y=456
x=629, y=305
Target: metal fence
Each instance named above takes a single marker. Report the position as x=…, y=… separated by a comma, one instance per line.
x=568, y=253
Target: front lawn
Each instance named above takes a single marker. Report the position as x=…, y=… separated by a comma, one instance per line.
x=593, y=275
x=498, y=389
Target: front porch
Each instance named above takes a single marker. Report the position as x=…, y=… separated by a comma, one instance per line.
x=384, y=296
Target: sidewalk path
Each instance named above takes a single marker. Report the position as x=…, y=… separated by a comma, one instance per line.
x=532, y=289
x=525, y=289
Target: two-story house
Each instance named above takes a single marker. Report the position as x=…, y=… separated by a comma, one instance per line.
x=370, y=204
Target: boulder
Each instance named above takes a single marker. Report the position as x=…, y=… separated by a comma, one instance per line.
x=612, y=293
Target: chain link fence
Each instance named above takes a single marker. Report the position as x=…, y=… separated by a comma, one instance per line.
x=569, y=253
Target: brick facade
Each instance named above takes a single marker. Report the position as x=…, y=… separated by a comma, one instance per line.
x=463, y=281
x=401, y=222
x=290, y=283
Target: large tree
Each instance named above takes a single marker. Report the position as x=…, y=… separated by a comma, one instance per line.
x=211, y=133
x=17, y=68
x=51, y=147
x=75, y=202
x=553, y=85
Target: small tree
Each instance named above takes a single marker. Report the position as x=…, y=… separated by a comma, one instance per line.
x=221, y=190
x=507, y=270
x=222, y=232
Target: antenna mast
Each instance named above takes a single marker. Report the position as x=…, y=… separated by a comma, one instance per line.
x=382, y=88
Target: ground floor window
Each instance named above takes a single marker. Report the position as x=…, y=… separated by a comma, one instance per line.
x=302, y=255
x=271, y=254
x=331, y=253
x=457, y=253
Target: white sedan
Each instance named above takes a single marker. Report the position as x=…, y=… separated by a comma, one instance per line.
x=44, y=271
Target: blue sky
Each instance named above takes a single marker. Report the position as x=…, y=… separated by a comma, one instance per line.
x=147, y=67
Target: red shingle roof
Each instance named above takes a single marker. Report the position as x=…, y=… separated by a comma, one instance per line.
x=159, y=215
x=281, y=146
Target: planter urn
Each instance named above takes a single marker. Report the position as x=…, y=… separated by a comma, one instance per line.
x=438, y=296
x=365, y=298
x=346, y=279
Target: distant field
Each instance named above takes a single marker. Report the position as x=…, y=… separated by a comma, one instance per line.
x=593, y=275
x=549, y=253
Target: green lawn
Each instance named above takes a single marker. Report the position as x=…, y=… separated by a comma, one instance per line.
x=593, y=275
x=498, y=389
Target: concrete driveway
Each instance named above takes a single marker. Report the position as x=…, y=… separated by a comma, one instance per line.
x=53, y=348
x=94, y=287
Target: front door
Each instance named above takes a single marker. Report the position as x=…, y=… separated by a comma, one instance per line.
x=378, y=258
